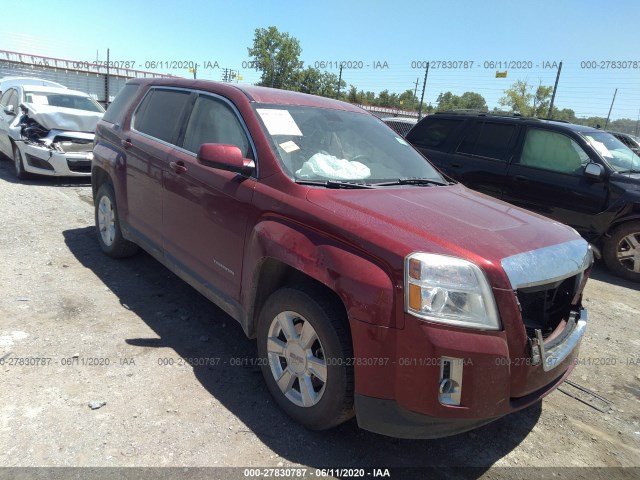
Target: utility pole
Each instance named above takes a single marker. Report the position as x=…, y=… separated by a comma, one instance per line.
x=610, y=108
x=637, y=121
x=553, y=95
x=415, y=90
x=339, y=82
x=106, y=83
x=424, y=84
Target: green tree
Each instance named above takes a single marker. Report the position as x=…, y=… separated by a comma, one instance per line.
x=309, y=81
x=518, y=98
x=276, y=55
x=468, y=100
x=566, y=114
x=521, y=98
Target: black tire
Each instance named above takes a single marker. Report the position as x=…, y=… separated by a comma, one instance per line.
x=624, y=240
x=110, y=237
x=327, y=317
x=18, y=163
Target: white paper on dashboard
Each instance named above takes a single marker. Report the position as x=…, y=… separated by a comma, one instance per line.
x=279, y=122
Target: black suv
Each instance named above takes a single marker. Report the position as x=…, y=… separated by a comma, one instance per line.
x=577, y=175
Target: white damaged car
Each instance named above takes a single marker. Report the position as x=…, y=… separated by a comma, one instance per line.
x=48, y=130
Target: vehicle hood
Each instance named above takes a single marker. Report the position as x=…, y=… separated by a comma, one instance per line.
x=451, y=220
x=60, y=118
x=626, y=181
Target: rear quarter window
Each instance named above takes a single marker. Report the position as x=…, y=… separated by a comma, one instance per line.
x=433, y=132
x=120, y=103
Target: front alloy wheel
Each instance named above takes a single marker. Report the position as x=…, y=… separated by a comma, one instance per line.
x=622, y=251
x=304, y=343
x=21, y=173
x=296, y=358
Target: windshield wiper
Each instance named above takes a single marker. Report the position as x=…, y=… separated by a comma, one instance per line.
x=334, y=183
x=413, y=181
x=630, y=170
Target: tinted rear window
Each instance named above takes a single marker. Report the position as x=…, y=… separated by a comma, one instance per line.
x=120, y=103
x=433, y=132
x=160, y=112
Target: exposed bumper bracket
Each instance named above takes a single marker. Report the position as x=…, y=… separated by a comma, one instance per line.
x=555, y=352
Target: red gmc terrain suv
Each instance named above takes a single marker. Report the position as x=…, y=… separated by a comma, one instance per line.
x=373, y=285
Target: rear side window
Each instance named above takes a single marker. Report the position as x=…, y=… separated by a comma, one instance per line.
x=160, y=112
x=120, y=103
x=489, y=140
x=433, y=132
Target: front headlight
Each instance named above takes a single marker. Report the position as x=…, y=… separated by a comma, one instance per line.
x=449, y=290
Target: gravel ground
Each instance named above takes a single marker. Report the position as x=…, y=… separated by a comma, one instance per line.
x=120, y=336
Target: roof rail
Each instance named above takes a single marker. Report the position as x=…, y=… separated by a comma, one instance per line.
x=482, y=113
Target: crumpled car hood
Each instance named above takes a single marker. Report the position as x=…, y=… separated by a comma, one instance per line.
x=61, y=118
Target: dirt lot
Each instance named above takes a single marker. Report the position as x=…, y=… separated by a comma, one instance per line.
x=122, y=332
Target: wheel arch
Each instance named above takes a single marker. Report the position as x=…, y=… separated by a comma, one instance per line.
x=284, y=255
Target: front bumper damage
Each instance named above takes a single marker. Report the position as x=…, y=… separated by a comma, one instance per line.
x=53, y=151
x=59, y=153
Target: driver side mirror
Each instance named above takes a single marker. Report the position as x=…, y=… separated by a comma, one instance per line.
x=594, y=171
x=9, y=110
x=225, y=157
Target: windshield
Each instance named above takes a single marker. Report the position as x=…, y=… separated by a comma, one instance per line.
x=318, y=144
x=616, y=153
x=76, y=102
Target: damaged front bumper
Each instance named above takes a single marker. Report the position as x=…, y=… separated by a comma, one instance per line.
x=59, y=154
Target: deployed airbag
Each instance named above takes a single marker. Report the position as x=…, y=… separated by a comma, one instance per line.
x=324, y=165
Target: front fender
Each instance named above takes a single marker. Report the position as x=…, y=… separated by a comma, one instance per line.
x=363, y=285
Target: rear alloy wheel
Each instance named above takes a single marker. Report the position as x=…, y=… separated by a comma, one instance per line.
x=108, y=226
x=304, y=344
x=622, y=251
x=21, y=173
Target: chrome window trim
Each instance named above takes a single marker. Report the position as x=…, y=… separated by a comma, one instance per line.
x=547, y=264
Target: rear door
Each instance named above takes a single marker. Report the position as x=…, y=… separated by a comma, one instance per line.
x=206, y=209
x=547, y=177
x=155, y=130
x=480, y=158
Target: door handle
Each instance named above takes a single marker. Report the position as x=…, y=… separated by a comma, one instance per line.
x=177, y=167
x=456, y=165
x=520, y=178
x=126, y=143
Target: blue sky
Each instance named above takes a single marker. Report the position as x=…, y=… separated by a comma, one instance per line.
x=397, y=33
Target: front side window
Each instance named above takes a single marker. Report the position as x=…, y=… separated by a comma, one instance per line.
x=433, y=132
x=318, y=144
x=213, y=121
x=4, y=99
x=160, y=112
x=552, y=151
x=10, y=97
x=616, y=153
x=489, y=140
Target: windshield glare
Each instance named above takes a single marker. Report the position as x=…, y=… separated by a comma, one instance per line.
x=617, y=154
x=75, y=102
x=319, y=144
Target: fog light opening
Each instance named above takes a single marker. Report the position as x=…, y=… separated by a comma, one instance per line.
x=450, y=385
